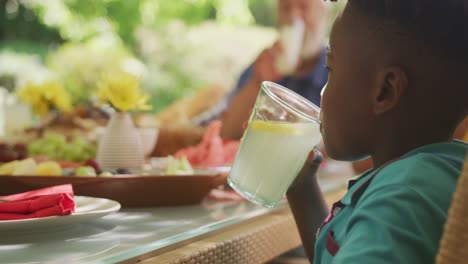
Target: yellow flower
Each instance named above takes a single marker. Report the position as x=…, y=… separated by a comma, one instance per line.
x=122, y=91
x=57, y=96
x=45, y=97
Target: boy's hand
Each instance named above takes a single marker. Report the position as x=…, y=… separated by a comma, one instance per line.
x=264, y=66
x=307, y=202
x=309, y=170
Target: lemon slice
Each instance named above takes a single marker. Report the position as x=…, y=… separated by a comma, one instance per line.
x=276, y=127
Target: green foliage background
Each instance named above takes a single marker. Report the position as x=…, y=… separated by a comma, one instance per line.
x=58, y=30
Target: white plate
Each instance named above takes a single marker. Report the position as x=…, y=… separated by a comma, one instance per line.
x=87, y=208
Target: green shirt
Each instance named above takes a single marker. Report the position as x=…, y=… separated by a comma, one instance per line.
x=394, y=214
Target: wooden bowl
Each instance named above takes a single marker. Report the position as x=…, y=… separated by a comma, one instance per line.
x=128, y=190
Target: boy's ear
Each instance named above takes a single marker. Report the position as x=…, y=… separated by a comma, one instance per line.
x=392, y=82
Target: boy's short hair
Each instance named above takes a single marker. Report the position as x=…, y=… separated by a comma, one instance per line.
x=441, y=23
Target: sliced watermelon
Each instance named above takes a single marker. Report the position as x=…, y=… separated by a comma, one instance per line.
x=212, y=151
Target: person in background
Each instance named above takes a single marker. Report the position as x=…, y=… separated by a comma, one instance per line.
x=396, y=91
x=308, y=76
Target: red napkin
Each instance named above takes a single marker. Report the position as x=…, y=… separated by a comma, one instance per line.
x=51, y=201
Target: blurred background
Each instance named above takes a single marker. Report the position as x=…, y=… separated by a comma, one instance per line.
x=176, y=47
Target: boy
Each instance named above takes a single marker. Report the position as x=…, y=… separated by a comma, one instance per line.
x=397, y=88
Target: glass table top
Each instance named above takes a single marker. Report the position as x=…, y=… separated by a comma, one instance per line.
x=122, y=235
x=128, y=233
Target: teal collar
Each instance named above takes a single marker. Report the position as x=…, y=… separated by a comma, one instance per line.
x=357, y=186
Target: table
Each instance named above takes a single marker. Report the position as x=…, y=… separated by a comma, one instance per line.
x=257, y=240
x=212, y=232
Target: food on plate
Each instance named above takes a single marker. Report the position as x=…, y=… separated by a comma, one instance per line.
x=25, y=167
x=212, y=150
x=93, y=163
x=178, y=166
x=85, y=171
x=106, y=174
x=49, y=168
x=10, y=152
x=45, y=167
x=79, y=123
x=56, y=146
x=8, y=168
x=64, y=164
x=21, y=150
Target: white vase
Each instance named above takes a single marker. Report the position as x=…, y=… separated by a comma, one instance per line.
x=120, y=146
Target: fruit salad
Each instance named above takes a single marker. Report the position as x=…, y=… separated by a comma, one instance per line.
x=41, y=167
x=56, y=146
x=178, y=166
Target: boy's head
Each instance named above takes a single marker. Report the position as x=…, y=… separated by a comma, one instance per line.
x=398, y=74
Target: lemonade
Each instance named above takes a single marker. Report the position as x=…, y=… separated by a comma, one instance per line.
x=271, y=155
x=283, y=128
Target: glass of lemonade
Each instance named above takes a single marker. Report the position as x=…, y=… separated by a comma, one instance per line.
x=283, y=128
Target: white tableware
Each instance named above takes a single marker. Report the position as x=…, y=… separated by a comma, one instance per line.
x=87, y=208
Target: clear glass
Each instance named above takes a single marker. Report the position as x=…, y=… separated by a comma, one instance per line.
x=283, y=128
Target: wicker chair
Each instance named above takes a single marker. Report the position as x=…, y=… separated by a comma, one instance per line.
x=454, y=243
